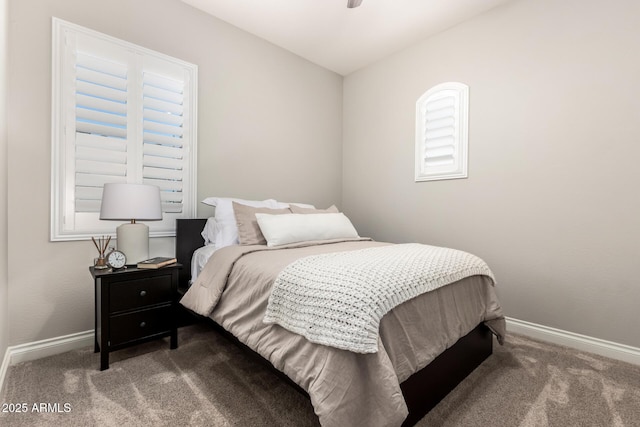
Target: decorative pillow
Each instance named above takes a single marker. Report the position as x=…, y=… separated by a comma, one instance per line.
x=248, y=230
x=293, y=228
x=299, y=210
x=226, y=229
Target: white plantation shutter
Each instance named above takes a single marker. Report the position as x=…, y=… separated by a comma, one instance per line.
x=120, y=113
x=442, y=132
x=100, y=128
x=163, y=148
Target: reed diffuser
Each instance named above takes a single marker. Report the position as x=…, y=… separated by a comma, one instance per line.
x=101, y=245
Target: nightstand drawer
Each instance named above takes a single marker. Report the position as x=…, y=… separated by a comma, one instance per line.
x=131, y=294
x=140, y=324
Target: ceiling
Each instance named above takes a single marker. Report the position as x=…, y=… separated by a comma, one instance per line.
x=329, y=34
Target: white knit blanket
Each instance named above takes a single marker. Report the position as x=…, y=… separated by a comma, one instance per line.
x=337, y=299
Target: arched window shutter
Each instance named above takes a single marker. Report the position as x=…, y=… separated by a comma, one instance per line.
x=442, y=132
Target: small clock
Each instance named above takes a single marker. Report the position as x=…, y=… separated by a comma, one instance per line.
x=116, y=259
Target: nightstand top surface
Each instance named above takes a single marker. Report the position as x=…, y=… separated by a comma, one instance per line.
x=129, y=269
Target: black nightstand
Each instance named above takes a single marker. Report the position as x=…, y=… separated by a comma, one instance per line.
x=132, y=306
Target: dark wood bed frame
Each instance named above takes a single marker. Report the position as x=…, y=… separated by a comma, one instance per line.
x=422, y=391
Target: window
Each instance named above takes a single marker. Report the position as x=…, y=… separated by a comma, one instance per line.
x=120, y=113
x=442, y=117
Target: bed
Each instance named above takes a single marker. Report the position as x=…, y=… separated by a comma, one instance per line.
x=364, y=394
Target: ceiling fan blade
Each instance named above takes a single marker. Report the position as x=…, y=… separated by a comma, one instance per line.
x=353, y=3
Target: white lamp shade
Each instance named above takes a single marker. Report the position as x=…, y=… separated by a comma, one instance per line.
x=128, y=202
x=132, y=202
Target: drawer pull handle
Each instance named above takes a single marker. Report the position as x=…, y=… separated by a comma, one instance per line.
x=143, y=324
x=143, y=293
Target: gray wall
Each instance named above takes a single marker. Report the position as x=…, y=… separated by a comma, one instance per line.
x=4, y=284
x=552, y=200
x=270, y=125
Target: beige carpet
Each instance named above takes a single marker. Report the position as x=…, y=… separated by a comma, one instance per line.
x=208, y=381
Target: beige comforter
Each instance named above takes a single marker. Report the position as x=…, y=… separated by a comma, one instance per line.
x=346, y=389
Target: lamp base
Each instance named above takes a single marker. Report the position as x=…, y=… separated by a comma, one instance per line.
x=133, y=241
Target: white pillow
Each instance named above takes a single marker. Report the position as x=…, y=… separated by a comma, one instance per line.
x=210, y=231
x=282, y=205
x=224, y=207
x=227, y=235
x=215, y=201
x=293, y=228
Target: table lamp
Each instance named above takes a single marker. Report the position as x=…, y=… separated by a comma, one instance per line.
x=131, y=202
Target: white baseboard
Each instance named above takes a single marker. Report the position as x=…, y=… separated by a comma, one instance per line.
x=3, y=369
x=625, y=353
x=39, y=349
x=609, y=349
x=49, y=347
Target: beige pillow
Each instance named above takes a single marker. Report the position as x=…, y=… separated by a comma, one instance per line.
x=299, y=210
x=248, y=230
